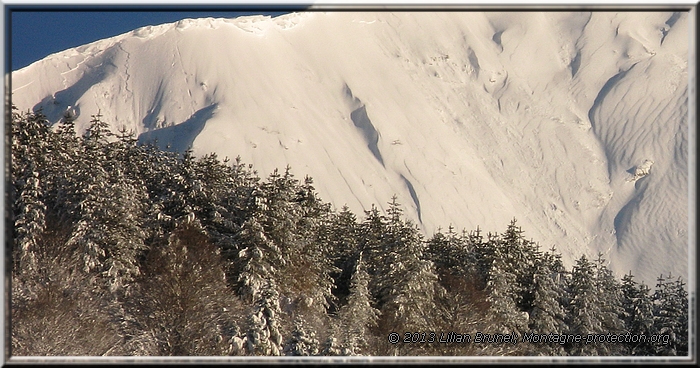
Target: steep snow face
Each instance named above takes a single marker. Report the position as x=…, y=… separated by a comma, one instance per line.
x=470, y=118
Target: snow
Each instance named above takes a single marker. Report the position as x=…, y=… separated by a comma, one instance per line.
x=470, y=118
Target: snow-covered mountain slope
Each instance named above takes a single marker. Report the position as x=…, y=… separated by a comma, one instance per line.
x=576, y=124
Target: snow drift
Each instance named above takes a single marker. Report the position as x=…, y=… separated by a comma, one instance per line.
x=576, y=124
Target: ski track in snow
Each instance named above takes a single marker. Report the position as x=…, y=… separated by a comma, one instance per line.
x=500, y=115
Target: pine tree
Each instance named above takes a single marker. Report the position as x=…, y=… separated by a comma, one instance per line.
x=439, y=249
x=302, y=342
x=547, y=315
x=461, y=299
x=638, y=316
x=406, y=284
x=584, y=308
x=610, y=303
x=452, y=253
x=157, y=171
x=331, y=347
x=358, y=316
x=258, y=263
x=520, y=257
x=64, y=162
x=512, y=261
x=280, y=213
x=223, y=200
x=30, y=140
x=372, y=233
x=671, y=316
x=263, y=336
x=505, y=316
x=681, y=298
x=342, y=239
x=484, y=254
x=109, y=227
x=259, y=259
x=30, y=213
x=310, y=264
x=243, y=190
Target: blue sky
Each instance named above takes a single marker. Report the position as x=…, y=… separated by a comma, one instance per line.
x=37, y=32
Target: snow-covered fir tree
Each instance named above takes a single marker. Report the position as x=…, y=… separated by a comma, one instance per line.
x=670, y=306
x=310, y=266
x=264, y=336
x=341, y=236
x=452, y=252
x=408, y=283
x=358, y=316
x=610, y=301
x=30, y=212
x=302, y=342
x=638, y=314
x=505, y=317
x=584, y=311
x=331, y=347
x=259, y=262
x=547, y=315
x=29, y=136
x=110, y=208
x=520, y=256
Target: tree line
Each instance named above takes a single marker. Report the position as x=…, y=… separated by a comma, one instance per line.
x=120, y=248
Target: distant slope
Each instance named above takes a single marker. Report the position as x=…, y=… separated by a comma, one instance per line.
x=470, y=118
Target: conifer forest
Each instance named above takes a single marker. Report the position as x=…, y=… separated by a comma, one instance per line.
x=124, y=249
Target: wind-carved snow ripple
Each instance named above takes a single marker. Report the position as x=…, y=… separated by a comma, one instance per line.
x=595, y=125
x=640, y=115
x=361, y=120
x=414, y=197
